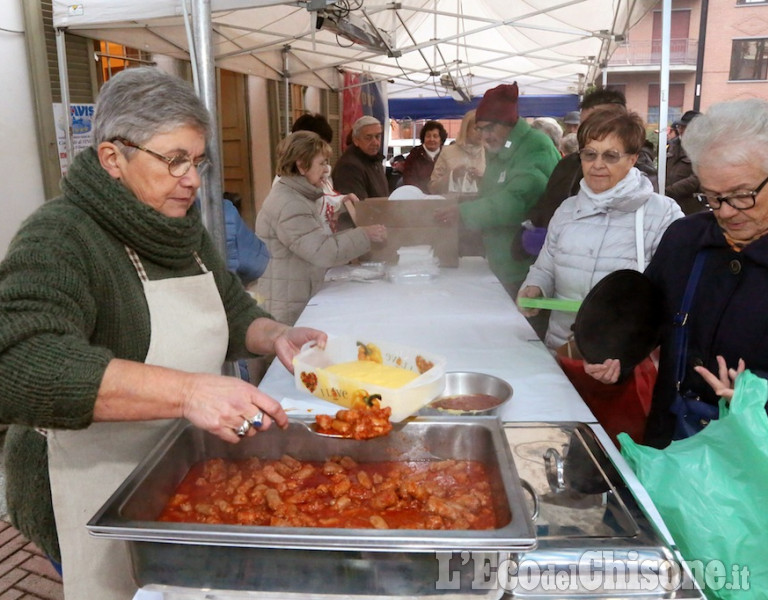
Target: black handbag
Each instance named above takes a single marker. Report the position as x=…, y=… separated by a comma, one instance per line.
x=691, y=413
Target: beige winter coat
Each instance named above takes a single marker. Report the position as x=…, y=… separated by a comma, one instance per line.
x=290, y=225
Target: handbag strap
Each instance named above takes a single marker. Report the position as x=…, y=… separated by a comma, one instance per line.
x=681, y=318
x=640, y=238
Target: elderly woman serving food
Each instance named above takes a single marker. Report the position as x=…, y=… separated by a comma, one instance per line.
x=726, y=323
x=116, y=314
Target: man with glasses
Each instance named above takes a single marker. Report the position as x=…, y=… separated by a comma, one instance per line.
x=727, y=321
x=519, y=160
x=360, y=169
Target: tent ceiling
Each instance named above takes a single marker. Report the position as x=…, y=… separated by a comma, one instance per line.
x=547, y=46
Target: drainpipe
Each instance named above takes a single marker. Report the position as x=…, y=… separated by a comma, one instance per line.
x=700, y=54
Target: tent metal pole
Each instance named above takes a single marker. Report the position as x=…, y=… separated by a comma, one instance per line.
x=211, y=192
x=61, y=55
x=666, y=26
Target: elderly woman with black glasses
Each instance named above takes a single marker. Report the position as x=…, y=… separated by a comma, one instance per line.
x=727, y=324
x=116, y=314
x=615, y=221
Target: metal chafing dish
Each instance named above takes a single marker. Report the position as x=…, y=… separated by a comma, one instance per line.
x=590, y=528
x=281, y=562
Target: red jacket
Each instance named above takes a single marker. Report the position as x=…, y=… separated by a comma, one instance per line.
x=418, y=168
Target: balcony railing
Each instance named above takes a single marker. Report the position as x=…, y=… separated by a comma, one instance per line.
x=645, y=53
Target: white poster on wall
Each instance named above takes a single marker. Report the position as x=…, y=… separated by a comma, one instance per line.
x=82, y=130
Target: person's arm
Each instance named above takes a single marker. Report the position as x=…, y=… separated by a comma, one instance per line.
x=441, y=173
x=300, y=230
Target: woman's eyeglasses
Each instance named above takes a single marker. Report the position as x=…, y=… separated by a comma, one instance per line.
x=738, y=200
x=610, y=157
x=178, y=165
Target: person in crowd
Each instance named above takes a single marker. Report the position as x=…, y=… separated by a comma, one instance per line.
x=395, y=172
x=460, y=166
x=360, y=169
x=593, y=233
x=519, y=160
x=421, y=160
x=116, y=314
x=551, y=127
x=569, y=144
x=571, y=121
x=728, y=149
x=314, y=122
x=337, y=210
x=682, y=184
x=247, y=255
x=290, y=224
x=564, y=181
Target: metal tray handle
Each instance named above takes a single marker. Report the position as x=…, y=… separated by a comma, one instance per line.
x=536, y=502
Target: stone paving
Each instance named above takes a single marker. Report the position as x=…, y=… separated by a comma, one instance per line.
x=25, y=573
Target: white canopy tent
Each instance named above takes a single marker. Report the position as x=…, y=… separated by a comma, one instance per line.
x=422, y=47
x=419, y=47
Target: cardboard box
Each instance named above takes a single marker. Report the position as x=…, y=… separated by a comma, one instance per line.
x=409, y=223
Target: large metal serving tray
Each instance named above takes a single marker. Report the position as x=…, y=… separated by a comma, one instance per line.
x=284, y=560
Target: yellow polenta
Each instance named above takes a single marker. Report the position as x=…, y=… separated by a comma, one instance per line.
x=367, y=371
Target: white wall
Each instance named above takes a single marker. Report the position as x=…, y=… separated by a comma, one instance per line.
x=21, y=181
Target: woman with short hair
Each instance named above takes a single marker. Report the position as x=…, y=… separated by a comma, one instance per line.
x=116, y=314
x=421, y=160
x=291, y=226
x=594, y=233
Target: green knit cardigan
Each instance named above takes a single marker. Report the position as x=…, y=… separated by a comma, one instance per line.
x=71, y=301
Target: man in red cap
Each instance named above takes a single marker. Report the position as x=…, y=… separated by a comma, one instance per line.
x=519, y=160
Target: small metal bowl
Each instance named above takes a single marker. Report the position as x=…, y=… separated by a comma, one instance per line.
x=458, y=397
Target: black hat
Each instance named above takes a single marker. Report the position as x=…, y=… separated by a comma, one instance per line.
x=687, y=117
x=621, y=317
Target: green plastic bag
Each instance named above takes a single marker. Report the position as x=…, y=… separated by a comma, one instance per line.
x=711, y=489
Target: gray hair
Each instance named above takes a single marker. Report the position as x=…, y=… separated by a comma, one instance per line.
x=729, y=133
x=138, y=104
x=551, y=127
x=569, y=144
x=363, y=121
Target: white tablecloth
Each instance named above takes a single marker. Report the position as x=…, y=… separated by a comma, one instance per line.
x=463, y=314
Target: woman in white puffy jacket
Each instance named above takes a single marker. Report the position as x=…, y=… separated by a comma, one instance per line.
x=615, y=221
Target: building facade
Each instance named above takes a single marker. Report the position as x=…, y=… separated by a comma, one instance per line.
x=718, y=52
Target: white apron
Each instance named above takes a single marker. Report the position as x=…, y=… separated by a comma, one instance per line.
x=189, y=332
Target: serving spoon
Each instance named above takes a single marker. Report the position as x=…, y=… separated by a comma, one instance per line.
x=258, y=419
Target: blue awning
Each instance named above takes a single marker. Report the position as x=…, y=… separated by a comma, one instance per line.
x=447, y=108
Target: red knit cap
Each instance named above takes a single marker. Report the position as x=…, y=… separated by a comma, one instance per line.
x=499, y=104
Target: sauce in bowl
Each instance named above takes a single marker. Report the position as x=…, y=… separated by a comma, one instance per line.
x=467, y=402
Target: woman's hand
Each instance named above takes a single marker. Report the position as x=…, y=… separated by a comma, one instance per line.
x=376, y=233
x=448, y=215
x=221, y=404
x=723, y=383
x=289, y=343
x=605, y=372
x=530, y=291
x=352, y=198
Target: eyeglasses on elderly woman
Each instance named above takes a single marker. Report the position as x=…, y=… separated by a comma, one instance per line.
x=610, y=157
x=742, y=200
x=178, y=165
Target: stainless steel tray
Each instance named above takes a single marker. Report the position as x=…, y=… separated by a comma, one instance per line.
x=588, y=515
x=384, y=563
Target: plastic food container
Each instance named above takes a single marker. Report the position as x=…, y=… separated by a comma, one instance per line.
x=310, y=375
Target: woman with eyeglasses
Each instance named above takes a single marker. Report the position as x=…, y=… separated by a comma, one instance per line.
x=116, y=315
x=293, y=229
x=726, y=325
x=596, y=232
